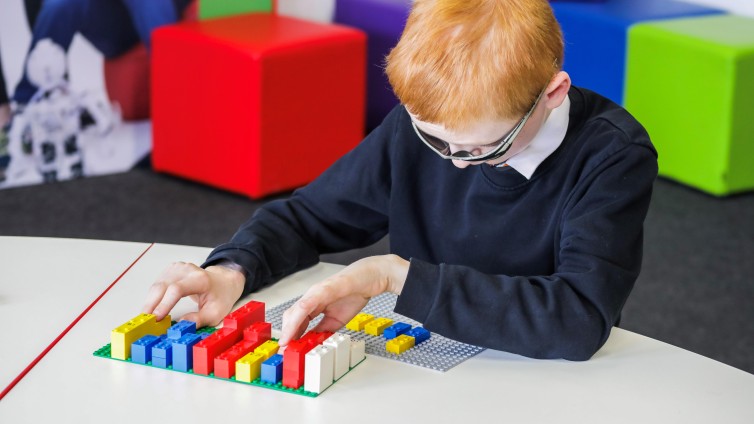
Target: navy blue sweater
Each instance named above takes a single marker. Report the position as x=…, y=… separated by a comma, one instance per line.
x=538, y=267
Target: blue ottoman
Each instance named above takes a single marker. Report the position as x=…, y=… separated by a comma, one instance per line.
x=596, y=34
x=383, y=21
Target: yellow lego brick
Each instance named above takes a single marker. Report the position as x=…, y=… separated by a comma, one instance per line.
x=249, y=367
x=377, y=326
x=139, y=326
x=400, y=344
x=268, y=348
x=359, y=321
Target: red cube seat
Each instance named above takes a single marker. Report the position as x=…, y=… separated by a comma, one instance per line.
x=256, y=103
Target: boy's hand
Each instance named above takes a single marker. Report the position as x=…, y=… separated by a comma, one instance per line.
x=215, y=289
x=343, y=295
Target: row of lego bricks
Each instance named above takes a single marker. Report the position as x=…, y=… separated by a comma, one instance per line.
x=400, y=335
x=242, y=350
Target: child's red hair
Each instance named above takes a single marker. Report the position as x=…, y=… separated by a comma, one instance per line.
x=464, y=61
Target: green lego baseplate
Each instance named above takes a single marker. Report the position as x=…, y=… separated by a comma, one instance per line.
x=104, y=352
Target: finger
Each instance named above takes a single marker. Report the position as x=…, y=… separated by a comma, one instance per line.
x=297, y=318
x=192, y=284
x=172, y=273
x=193, y=317
x=329, y=324
x=294, y=324
x=155, y=294
x=311, y=304
x=213, y=313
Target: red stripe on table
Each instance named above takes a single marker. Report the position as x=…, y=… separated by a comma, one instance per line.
x=75, y=321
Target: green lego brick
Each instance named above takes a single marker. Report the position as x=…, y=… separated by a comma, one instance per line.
x=690, y=83
x=220, y=8
x=104, y=352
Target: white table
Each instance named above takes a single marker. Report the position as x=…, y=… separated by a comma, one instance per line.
x=45, y=284
x=632, y=379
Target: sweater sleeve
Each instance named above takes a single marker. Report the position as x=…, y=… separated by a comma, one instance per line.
x=570, y=313
x=344, y=208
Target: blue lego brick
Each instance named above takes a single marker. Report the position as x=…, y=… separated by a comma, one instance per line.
x=272, y=369
x=596, y=37
x=179, y=329
x=396, y=330
x=419, y=334
x=141, y=350
x=162, y=353
x=183, y=349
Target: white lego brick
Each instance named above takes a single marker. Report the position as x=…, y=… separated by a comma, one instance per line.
x=319, y=364
x=358, y=352
x=341, y=343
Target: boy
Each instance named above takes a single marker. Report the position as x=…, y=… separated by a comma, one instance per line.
x=514, y=202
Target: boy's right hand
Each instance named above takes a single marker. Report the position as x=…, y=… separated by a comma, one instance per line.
x=215, y=290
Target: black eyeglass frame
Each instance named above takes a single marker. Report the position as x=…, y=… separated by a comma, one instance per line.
x=498, y=151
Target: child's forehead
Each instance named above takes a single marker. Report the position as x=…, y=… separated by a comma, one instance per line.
x=481, y=132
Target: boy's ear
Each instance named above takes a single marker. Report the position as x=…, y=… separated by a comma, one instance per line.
x=557, y=90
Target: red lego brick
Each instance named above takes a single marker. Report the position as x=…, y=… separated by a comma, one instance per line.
x=293, y=357
x=293, y=362
x=257, y=103
x=225, y=363
x=244, y=316
x=259, y=331
x=206, y=350
x=316, y=338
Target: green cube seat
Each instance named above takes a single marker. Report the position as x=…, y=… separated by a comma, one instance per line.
x=209, y=9
x=691, y=83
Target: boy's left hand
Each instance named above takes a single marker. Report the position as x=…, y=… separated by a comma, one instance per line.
x=343, y=295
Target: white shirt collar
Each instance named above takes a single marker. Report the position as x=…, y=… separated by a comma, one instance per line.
x=548, y=139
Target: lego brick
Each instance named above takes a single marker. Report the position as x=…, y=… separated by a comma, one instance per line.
x=267, y=349
x=162, y=353
x=341, y=344
x=206, y=350
x=399, y=344
x=293, y=363
x=358, y=322
x=420, y=334
x=596, y=37
x=358, y=352
x=318, y=369
x=141, y=350
x=248, y=368
x=244, y=316
x=224, y=366
x=250, y=69
x=396, y=330
x=258, y=331
x=181, y=328
x=377, y=326
x=183, y=351
x=707, y=142
x=272, y=369
x=125, y=334
x=316, y=337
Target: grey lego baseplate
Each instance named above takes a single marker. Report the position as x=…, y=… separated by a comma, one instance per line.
x=438, y=353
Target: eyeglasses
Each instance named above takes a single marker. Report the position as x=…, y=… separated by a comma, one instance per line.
x=442, y=147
